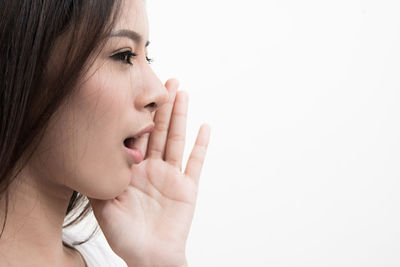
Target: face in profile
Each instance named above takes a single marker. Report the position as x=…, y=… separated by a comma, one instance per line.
x=83, y=146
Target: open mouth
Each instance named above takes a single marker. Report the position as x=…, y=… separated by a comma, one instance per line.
x=130, y=142
x=134, y=152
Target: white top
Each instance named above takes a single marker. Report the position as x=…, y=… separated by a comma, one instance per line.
x=96, y=251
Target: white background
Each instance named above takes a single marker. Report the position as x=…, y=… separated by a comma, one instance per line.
x=302, y=98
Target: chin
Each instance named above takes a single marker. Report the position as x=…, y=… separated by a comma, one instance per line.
x=106, y=188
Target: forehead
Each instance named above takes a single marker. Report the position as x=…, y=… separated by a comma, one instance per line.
x=133, y=16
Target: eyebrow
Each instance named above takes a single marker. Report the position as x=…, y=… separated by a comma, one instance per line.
x=134, y=36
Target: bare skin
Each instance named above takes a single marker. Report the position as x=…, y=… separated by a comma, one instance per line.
x=149, y=223
x=144, y=208
x=35, y=217
x=34, y=226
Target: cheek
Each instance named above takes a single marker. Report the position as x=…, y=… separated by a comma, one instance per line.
x=83, y=146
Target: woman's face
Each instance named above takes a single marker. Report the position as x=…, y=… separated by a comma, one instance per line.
x=83, y=147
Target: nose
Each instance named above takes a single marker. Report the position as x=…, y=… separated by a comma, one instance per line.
x=153, y=94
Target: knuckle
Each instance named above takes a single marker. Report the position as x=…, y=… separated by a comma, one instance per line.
x=197, y=159
x=176, y=137
x=156, y=151
x=161, y=126
x=179, y=114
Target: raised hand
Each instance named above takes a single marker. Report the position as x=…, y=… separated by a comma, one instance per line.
x=148, y=224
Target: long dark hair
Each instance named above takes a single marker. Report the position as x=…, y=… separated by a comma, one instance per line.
x=32, y=87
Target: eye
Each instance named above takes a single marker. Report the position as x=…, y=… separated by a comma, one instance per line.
x=124, y=56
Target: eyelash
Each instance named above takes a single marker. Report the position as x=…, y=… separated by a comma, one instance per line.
x=126, y=56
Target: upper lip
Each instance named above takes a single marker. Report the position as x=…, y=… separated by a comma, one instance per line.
x=147, y=129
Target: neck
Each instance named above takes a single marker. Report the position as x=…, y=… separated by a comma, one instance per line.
x=33, y=230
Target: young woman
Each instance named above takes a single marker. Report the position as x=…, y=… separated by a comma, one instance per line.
x=83, y=115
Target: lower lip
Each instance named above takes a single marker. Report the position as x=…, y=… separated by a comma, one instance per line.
x=135, y=153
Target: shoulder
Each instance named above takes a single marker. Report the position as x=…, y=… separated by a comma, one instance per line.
x=96, y=251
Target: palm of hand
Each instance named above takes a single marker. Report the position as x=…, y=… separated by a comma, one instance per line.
x=150, y=221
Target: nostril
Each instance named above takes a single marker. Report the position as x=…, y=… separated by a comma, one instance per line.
x=152, y=106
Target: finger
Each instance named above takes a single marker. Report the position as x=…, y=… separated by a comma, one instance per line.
x=143, y=141
x=196, y=158
x=177, y=130
x=158, y=137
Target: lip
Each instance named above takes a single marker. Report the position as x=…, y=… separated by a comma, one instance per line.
x=135, y=153
x=149, y=128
